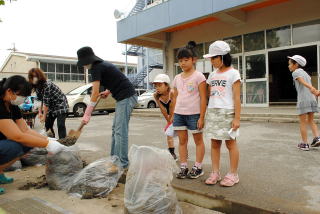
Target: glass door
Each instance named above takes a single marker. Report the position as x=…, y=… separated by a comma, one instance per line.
x=255, y=84
x=237, y=64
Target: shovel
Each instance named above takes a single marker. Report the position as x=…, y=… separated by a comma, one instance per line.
x=73, y=135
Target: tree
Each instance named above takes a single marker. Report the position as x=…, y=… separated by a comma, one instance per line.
x=2, y=2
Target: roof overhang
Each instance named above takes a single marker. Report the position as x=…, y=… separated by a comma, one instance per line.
x=151, y=27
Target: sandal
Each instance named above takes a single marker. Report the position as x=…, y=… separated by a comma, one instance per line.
x=2, y=191
x=213, y=179
x=5, y=180
x=229, y=180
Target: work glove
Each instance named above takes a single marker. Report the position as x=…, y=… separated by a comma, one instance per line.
x=54, y=146
x=87, y=114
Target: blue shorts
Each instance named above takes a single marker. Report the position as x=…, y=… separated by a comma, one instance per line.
x=186, y=122
x=9, y=150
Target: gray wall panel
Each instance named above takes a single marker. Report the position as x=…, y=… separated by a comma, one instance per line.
x=152, y=19
x=171, y=13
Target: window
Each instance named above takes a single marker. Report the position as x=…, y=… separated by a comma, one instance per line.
x=306, y=32
x=279, y=37
x=254, y=41
x=175, y=52
x=51, y=68
x=199, y=51
x=63, y=72
x=255, y=66
x=235, y=44
x=206, y=46
x=44, y=66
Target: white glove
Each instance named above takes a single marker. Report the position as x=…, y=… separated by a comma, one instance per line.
x=54, y=146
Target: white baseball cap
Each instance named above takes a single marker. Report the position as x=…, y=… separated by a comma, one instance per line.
x=218, y=48
x=162, y=78
x=299, y=59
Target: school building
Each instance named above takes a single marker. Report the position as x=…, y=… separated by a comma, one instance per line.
x=62, y=70
x=261, y=33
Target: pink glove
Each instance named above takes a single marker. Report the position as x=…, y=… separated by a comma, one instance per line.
x=87, y=115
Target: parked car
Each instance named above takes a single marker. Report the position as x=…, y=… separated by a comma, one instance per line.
x=146, y=100
x=79, y=98
x=140, y=91
x=28, y=104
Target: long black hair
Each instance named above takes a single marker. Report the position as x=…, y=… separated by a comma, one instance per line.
x=187, y=51
x=18, y=84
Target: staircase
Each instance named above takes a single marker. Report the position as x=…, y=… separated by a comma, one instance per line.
x=133, y=51
x=143, y=73
x=139, y=6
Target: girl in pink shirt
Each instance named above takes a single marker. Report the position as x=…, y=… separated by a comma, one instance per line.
x=189, y=100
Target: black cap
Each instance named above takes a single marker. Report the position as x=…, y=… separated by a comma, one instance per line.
x=86, y=56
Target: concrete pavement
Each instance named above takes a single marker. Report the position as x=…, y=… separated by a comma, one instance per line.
x=274, y=174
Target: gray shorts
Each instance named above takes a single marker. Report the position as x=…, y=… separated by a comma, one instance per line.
x=218, y=123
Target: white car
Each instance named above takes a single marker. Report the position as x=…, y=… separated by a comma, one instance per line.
x=79, y=98
x=146, y=100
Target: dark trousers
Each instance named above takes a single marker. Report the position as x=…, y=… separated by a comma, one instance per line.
x=61, y=123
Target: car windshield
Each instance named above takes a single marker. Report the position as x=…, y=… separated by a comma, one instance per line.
x=78, y=90
x=148, y=93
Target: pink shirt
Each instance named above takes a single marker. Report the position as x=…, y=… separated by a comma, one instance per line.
x=188, y=100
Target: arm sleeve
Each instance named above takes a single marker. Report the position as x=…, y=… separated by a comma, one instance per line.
x=16, y=113
x=236, y=76
x=209, y=78
x=174, y=83
x=46, y=95
x=296, y=75
x=201, y=78
x=4, y=114
x=95, y=75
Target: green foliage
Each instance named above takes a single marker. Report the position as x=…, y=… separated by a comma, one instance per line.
x=1, y=2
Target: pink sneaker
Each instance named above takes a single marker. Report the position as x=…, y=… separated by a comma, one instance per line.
x=213, y=179
x=229, y=180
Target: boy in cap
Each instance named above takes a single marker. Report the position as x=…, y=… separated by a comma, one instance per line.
x=306, y=103
x=116, y=83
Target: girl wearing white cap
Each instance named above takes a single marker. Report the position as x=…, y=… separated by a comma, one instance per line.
x=163, y=96
x=306, y=103
x=223, y=113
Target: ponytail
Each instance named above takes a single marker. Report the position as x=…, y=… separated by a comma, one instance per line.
x=187, y=51
x=2, y=90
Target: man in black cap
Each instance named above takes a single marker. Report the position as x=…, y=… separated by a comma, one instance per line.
x=116, y=83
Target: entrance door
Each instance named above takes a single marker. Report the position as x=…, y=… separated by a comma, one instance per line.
x=281, y=85
x=255, y=79
x=237, y=64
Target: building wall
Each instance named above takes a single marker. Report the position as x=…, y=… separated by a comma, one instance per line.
x=18, y=65
x=68, y=86
x=291, y=12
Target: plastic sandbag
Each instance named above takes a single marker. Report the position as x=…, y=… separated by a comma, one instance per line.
x=62, y=168
x=169, y=131
x=148, y=186
x=98, y=178
x=36, y=156
x=14, y=167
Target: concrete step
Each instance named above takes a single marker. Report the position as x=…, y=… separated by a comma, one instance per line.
x=30, y=206
x=246, y=197
x=256, y=117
